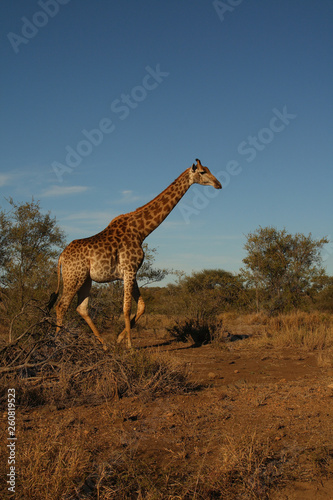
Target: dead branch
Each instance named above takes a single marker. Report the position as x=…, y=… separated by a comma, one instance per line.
x=89, y=368
x=8, y=369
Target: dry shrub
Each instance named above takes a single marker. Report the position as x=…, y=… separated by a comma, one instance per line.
x=71, y=368
x=200, y=331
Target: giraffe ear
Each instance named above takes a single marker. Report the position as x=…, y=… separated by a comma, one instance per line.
x=194, y=167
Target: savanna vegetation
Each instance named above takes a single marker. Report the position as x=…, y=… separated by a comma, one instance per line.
x=282, y=273
x=149, y=423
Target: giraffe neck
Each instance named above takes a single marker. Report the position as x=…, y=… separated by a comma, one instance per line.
x=151, y=215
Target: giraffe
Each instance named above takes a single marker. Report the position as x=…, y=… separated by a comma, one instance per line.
x=116, y=253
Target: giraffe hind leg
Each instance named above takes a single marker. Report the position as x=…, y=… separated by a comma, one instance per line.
x=140, y=304
x=62, y=306
x=129, y=323
x=82, y=309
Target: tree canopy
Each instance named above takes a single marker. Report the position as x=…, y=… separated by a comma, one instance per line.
x=282, y=267
x=211, y=291
x=30, y=242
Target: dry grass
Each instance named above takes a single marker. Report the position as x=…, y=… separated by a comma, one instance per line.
x=53, y=453
x=311, y=331
x=243, y=467
x=325, y=358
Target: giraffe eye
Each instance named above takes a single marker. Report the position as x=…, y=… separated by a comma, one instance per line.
x=201, y=173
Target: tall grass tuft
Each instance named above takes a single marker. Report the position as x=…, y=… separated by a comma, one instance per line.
x=313, y=331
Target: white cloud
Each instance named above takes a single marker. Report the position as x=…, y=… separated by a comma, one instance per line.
x=63, y=190
x=128, y=196
x=5, y=179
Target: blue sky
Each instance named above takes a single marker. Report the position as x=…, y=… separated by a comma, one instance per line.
x=105, y=103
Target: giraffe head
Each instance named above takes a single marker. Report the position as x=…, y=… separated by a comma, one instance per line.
x=201, y=175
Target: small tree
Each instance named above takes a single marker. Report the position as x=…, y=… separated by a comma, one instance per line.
x=282, y=267
x=30, y=243
x=147, y=273
x=211, y=291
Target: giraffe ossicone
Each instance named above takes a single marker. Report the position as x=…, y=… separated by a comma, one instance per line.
x=116, y=253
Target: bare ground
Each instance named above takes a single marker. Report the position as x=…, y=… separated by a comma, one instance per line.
x=258, y=424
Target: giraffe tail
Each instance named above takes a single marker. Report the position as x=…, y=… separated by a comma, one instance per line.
x=54, y=295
